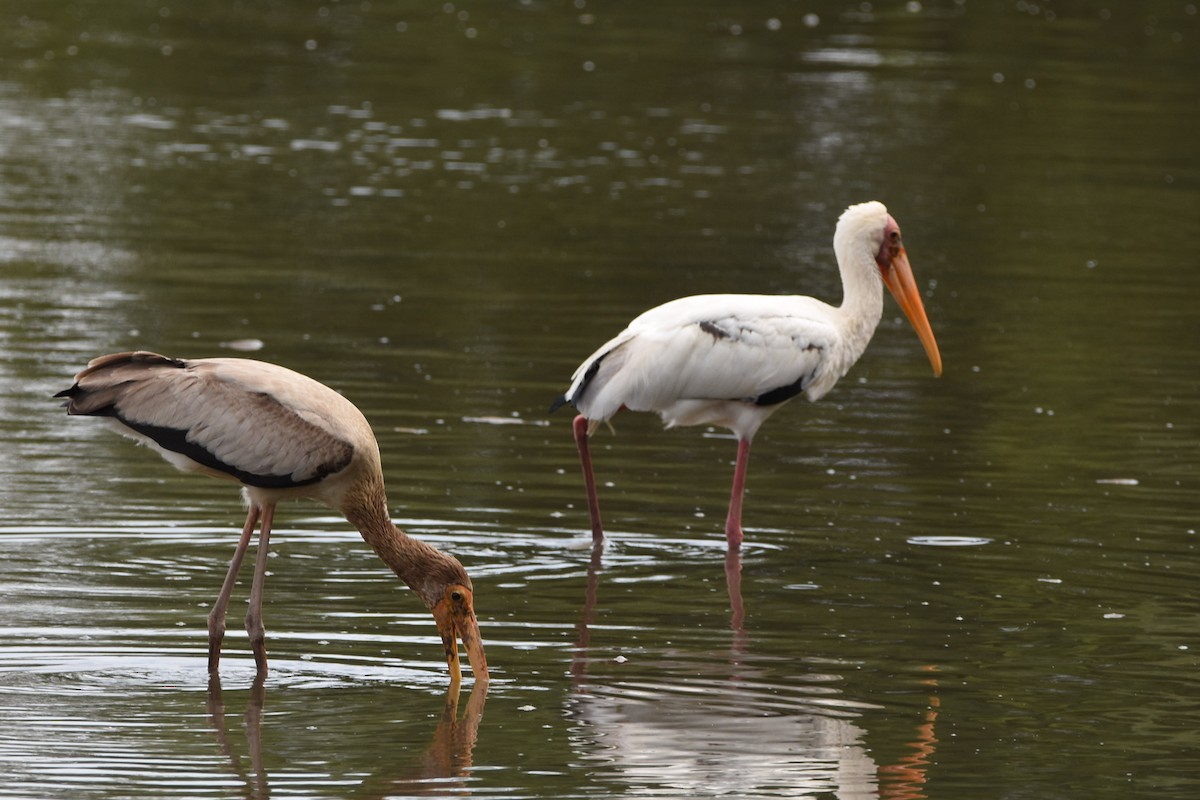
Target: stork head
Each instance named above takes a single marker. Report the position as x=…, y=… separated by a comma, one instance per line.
x=870, y=225
x=446, y=589
x=455, y=618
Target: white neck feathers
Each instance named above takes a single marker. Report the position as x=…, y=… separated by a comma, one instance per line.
x=856, y=241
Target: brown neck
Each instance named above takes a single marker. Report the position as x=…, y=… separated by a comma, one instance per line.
x=411, y=559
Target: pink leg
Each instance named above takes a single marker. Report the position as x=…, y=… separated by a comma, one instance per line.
x=580, y=426
x=254, y=622
x=216, y=617
x=733, y=522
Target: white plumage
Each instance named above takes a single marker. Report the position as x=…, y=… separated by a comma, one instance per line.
x=698, y=360
x=732, y=360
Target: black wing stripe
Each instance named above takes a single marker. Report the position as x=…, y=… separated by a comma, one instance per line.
x=176, y=441
x=783, y=393
x=587, y=378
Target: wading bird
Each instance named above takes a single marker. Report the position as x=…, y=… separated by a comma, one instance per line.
x=732, y=360
x=281, y=435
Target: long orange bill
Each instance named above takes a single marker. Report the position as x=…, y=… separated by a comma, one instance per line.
x=468, y=631
x=903, y=285
x=455, y=622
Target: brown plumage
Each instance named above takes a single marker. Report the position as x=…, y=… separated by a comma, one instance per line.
x=281, y=435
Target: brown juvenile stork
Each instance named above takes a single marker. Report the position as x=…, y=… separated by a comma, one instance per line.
x=281, y=435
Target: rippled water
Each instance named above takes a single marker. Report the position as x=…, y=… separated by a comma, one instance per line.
x=982, y=585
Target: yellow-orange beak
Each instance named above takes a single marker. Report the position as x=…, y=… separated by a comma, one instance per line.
x=903, y=285
x=455, y=618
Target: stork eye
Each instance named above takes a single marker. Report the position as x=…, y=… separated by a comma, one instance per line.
x=456, y=596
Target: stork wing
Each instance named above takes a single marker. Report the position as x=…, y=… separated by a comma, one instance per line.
x=258, y=423
x=749, y=348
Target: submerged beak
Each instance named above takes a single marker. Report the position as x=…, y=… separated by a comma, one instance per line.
x=903, y=285
x=455, y=618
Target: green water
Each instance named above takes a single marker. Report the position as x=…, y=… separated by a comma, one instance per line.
x=982, y=585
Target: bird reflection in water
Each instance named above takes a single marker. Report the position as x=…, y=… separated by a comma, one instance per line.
x=445, y=765
x=905, y=780
x=649, y=730
x=737, y=610
x=256, y=779
x=441, y=769
x=733, y=582
x=583, y=639
x=813, y=743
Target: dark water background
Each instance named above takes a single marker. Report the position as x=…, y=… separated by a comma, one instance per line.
x=978, y=586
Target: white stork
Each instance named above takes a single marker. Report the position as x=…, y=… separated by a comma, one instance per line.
x=732, y=360
x=281, y=435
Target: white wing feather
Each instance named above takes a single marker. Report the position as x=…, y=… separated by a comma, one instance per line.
x=709, y=348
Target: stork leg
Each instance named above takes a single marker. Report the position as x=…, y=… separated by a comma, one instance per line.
x=580, y=427
x=254, y=622
x=733, y=522
x=216, y=617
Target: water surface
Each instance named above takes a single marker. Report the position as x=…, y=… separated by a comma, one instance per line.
x=982, y=585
